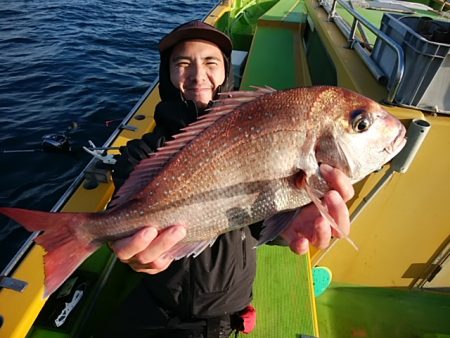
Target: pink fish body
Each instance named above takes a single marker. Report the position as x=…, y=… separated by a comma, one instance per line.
x=238, y=165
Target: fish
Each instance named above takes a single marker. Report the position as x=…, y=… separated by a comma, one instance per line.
x=253, y=157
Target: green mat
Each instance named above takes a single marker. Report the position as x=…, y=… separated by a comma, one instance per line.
x=352, y=311
x=283, y=294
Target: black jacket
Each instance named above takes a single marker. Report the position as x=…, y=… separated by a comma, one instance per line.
x=218, y=281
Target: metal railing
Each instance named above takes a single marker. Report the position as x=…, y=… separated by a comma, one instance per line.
x=359, y=46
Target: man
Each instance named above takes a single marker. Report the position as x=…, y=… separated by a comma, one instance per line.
x=205, y=296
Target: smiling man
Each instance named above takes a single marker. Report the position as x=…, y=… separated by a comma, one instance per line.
x=210, y=295
x=197, y=69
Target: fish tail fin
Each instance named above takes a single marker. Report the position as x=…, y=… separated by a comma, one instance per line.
x=65, y=250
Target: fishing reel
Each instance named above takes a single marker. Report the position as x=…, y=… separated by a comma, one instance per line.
x=58, y=142
x=55, y=142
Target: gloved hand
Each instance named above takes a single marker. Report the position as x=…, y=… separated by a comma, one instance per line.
x=135, y=151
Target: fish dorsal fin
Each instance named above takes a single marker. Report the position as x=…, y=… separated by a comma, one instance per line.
x=236, y=98
x=149, y=168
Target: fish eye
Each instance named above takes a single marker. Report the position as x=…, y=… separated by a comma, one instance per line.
x=360, y=121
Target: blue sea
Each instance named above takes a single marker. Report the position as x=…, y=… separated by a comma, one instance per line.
x=76, y=67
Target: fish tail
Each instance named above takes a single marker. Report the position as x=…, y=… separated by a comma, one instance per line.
x=65, y=250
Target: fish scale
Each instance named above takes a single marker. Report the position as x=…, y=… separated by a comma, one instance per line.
x=253, y=157
x=228, y=171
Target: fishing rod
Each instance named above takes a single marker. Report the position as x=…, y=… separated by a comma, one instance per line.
x=61, y=143
x=55, y=142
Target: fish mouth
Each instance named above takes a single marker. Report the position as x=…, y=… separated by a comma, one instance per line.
x=397, y=143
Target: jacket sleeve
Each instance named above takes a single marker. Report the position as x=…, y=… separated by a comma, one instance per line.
x=170, y=117
x=255, y=230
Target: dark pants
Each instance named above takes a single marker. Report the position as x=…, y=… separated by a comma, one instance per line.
x=140, y=317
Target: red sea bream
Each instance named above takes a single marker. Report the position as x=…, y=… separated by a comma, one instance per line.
x=239, y=164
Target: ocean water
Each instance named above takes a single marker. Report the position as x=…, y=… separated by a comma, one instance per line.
x=80, y=64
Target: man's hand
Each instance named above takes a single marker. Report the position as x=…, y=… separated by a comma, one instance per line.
x=310, y=227
x=144, y=251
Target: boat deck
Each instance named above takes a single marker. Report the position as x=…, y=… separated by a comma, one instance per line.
x=292, y=44
x=283, y=291
x=353, y=311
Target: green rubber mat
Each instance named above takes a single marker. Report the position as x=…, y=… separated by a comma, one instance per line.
x=352, y=311
x=283, y=295
x=283, y=291
x=274, y=56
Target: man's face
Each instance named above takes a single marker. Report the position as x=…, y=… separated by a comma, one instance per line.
x=197, y=68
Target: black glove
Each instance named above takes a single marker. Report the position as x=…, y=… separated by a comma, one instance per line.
x=135, y=151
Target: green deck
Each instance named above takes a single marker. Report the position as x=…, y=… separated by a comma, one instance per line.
x=274, y=54
x=349, y=311
x=283, y=294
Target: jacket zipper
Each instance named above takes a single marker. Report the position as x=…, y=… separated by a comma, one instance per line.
x=191, y=288
x=244, y=248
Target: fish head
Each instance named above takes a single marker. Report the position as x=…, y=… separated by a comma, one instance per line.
x=362, y=137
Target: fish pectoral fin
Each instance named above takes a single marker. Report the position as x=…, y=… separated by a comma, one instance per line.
x=186, y=249
x=346, y=156
x=313, y=195
x=275, y=225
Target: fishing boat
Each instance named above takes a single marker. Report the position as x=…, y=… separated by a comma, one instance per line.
x=398, y=283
